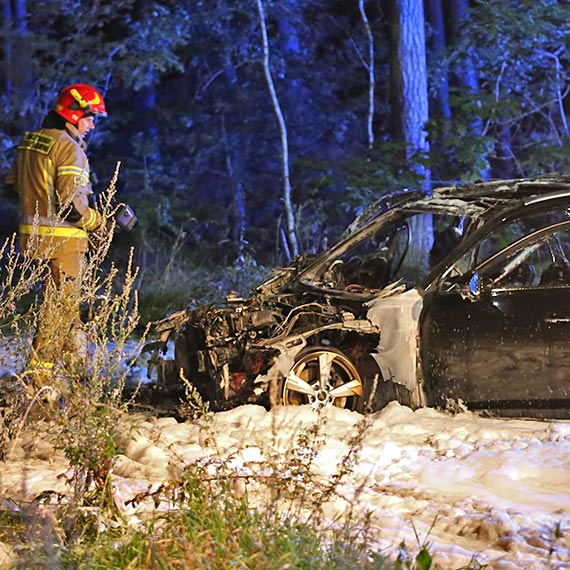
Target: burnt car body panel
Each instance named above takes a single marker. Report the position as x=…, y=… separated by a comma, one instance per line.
x=506, y=346
x=460, y=296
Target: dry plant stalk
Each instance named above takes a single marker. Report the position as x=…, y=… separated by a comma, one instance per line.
x=90, y=384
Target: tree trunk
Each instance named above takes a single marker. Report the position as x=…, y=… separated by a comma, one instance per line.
x=505, y=164
x=409, y=84
x=7, y=73
x=147, y=97
x=465, y=71
x=238, y=225
x=440, y=108
x=370, y=68
x=410, y=100
x=18, y=64
x=289, y=214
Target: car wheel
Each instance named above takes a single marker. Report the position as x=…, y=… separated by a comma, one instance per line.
x=322, y=377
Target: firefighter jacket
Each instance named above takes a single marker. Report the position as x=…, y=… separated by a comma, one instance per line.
x=51, y=177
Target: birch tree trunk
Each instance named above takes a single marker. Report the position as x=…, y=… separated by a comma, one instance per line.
x=289, y=214
x=371, y=78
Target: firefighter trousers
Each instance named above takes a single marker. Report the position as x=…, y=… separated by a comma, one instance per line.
x=59, y=339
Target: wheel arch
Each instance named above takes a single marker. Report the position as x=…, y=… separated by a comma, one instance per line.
x=359, y=348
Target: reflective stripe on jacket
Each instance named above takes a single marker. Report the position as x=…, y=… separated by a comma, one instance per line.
x=56, y=231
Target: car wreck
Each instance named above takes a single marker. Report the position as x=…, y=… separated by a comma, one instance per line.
x=456, y=298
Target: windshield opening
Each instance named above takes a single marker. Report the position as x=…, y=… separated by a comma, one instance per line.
x=404, y=249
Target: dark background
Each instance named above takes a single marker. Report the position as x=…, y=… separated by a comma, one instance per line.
x=192, y=122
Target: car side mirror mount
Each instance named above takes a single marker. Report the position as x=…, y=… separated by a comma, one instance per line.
x=469, y=287
x=475, y=285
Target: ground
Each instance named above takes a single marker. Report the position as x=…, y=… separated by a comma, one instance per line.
x=473, y=488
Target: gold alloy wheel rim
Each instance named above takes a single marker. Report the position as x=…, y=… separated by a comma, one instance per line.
x=322, y=378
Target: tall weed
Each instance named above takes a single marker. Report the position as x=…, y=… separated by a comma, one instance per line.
x=89, y=381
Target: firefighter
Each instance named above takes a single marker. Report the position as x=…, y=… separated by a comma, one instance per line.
x=52, y=179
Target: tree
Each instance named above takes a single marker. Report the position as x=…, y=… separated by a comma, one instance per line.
x=521, y=51
x=18, y=79
x=369, y=65
x=192, y=123
x=410, y=99
x=441, y=108
x=466, y=72
x=291, y=238
x=409, y=83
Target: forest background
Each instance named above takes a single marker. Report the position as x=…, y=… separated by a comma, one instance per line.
x=252, y=131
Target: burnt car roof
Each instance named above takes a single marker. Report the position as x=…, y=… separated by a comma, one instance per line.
x=477, y=196
x=468, y=199
x=506, y=192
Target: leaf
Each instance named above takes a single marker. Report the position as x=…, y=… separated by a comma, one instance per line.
x=423, y=559
x=403, y=560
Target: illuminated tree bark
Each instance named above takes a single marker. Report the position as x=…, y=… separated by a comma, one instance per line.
x=409, y=81
x=410, y=113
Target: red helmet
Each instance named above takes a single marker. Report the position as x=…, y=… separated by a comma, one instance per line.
x=79, y=100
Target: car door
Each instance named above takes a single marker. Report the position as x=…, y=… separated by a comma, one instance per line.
x=498, y=337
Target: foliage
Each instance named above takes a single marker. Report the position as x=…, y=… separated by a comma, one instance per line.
x=83, y=394
x=75, y=410
x=184, y=283
x=191, y=121
x=213, y=531
x=521, y=54
x=220, y=516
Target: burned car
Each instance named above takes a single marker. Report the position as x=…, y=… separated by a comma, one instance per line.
x=459, y=297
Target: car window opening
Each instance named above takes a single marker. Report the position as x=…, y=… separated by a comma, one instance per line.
x=403, y=251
